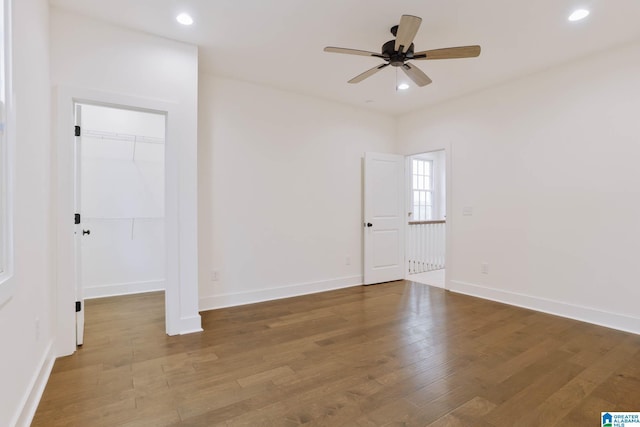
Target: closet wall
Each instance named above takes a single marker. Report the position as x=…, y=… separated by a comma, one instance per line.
x=122, y=201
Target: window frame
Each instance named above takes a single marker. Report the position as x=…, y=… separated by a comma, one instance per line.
x=6, y=154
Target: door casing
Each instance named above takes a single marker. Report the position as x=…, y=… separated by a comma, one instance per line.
x=447, y=147
x=180, y=314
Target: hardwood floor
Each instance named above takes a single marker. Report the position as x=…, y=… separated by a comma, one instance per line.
x=395, y=354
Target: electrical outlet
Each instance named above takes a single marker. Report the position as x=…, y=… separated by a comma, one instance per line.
x=215, y=276
x=467, y=211
x=347, y=260
x=484, y=268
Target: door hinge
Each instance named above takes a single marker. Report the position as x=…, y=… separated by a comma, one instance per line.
x=77, y=131
x=76, y=218
x=78, y=306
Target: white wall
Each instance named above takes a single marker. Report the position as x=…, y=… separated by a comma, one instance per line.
x=549, y=164
x=26, y=329
x=91, y=55
x=122, y=201
x=280, y=197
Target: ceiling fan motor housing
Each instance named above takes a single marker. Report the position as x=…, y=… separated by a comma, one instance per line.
x=396, y=58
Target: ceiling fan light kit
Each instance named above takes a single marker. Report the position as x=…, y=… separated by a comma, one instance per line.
x=397, y=52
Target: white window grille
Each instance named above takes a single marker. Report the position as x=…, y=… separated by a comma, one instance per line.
x=422, y=190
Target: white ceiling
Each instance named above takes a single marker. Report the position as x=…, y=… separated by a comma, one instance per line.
x=279, y=42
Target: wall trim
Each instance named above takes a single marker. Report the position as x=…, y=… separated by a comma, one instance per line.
x=31, y=399
x=585, y=314
x=115, y=289
x=189, y=325
x=250, y=297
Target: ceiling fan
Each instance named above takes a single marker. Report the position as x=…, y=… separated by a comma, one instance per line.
x=397, y=52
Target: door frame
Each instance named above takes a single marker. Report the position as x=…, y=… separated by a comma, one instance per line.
x=77, y=229
x=181, y=310
x=448, y=227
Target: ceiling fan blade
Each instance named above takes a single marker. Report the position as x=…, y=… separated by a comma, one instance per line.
x=407, y=31
x=449, y=53
x=332, y=49
x=368, y=73
x=416, y=74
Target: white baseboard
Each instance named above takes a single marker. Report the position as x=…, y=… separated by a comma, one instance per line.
x=558, y=308
x=115, y=289
x=189, y=325
x=241, y=298
x=31, y=398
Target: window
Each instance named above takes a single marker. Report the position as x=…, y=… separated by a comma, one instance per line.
x=422, y=189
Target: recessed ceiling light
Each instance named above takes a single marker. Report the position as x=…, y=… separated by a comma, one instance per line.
x=578, y=15
x=184, y=19
x=403, y=86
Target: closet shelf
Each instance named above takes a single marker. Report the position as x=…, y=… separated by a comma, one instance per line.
x=122, y=218
x=115, y=136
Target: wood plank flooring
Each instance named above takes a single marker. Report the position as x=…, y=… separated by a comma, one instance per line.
x=395, y=354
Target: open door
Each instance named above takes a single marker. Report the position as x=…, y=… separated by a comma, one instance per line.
x=78, y=232
x=384, y=218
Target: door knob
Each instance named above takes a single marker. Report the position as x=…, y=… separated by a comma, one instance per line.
x=369, y=224
x=86, y=232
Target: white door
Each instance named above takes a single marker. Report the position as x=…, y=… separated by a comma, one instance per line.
x=383, y=218
x=77, y=242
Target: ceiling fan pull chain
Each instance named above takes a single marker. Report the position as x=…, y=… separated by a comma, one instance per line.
x=396, y=78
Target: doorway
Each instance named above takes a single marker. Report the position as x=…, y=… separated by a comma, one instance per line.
x=180, y=232
x=427, y=213
x=120, y=199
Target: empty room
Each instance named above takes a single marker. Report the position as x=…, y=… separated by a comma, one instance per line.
x=364, y=213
